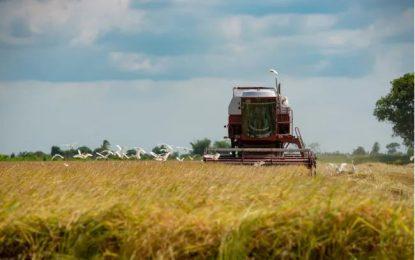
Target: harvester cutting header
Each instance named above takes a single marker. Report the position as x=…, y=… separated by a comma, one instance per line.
x=260, y=128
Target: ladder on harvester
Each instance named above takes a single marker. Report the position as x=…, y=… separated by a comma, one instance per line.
x=298, y=134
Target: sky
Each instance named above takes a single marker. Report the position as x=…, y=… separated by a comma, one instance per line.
x=140, y=73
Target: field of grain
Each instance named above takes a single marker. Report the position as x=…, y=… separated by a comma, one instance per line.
x=183, y=210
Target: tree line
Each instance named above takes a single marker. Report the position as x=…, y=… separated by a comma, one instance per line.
x=197, y=148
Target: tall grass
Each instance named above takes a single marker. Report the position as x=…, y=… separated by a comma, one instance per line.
x=185, y=210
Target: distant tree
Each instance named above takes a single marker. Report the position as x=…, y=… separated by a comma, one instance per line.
x=392, y=148
x=398, y=108
x=105, y=145
x=12, y=155
x=24, y=154
x=160, y=149
x=222, y=144
x=97, y=150
x=410, y=151
x=199, y=146
x=55, y=150
x=69, y=153
x=85, y=149
x=131, y=152
x=157, y=150
x=39, y=154
x=315, y=147
x=375, y=149
x=359, y=151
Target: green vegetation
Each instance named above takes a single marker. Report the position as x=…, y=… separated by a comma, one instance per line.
x=398, y=108
x=399, y=159
x=199, y=146
x=222, y=144
x=191, y=210
x=375, y=149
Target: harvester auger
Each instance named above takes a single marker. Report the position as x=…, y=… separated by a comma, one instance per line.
x=260, y=128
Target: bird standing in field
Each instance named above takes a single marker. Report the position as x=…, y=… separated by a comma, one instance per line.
x=346, y=168
x=259, y=164
x=214, y=157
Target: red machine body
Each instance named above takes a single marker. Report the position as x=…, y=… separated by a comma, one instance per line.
x=281, y=134
x=260, y=128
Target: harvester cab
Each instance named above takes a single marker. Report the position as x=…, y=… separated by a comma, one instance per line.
x=260, y=129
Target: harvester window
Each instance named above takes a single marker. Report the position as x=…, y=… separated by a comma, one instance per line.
x=258, y=119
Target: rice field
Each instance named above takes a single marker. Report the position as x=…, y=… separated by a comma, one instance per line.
x=172, y=210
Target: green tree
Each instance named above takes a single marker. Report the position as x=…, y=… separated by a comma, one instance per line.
x=393, y=148
x=222, y=144
x=39, y=154
x=160, y=149
x=375, y=149
x=55, y=150
x=199, y=146
x=105, y=145
x=410, y=151
x=85, y=149
x=131, y=152
x=359, y=151
x=398, y=108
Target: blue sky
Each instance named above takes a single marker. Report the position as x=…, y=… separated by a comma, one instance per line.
x=145, y=72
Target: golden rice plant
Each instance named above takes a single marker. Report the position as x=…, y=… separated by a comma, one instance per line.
x=178, y=210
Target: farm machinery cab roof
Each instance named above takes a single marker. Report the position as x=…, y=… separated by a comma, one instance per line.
x=260, y=128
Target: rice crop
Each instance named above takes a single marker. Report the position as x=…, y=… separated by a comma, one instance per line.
x=173, y=210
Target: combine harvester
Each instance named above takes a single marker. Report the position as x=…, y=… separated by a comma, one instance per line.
x=260, y=127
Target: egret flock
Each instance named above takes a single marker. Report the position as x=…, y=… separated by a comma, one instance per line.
x=167, y=150
x=120, y=153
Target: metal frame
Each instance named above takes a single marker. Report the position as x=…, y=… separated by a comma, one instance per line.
x=269, y=156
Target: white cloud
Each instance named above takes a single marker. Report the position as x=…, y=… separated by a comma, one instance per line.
x=247, y=27
x=136, y=62
x=79, y=22
x=131, y=61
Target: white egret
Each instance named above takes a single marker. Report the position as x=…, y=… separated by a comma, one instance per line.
x=166, y=147
x=346, y=168
x=57, y=156
x=101, y=156
x=159, y=157
x=214, y=157
x=81, y=155
x=258, y=164
x=274, y=71
x=120, y=153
